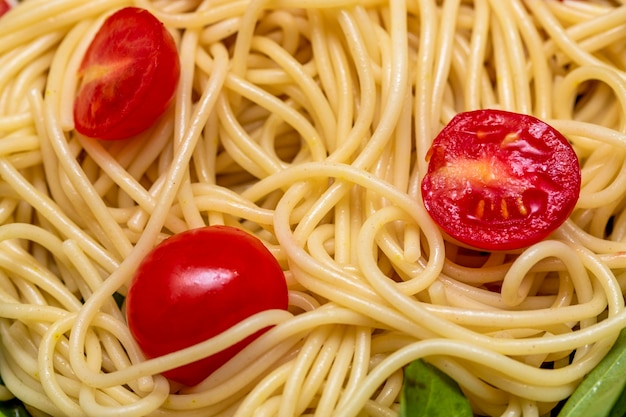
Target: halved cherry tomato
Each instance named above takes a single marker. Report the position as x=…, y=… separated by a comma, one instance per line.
x=4, y=7
x=197, y=284
x=128, y=76
x=498, y=180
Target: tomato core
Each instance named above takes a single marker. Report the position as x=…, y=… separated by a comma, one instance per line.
x=196, y=285
x=499, y=180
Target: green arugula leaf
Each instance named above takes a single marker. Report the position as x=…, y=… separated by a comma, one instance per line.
x=619, y=408
x=427, y=391
x=602, y=390
x=13, y=408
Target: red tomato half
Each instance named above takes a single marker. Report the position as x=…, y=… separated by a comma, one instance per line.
x=4, y=7
x=498, y=180
x=196, y=285
x=128, y=76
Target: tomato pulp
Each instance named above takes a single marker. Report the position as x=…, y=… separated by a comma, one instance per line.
x=128, y=76
x=498, y=180
x=197, y=284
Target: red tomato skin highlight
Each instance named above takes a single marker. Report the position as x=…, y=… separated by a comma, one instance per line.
x=197, y=284
x=498, y=180
x=129, y=75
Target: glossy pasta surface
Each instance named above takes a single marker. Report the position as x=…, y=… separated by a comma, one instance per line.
x=307, y=123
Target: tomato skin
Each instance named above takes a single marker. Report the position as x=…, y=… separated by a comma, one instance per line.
x=129, y=75
x=498, y=180
x=197, y=284
x=4, y=7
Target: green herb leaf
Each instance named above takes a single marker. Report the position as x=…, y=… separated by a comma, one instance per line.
x=427, y=391
x=601, y=389
x=619, y=408
x=13, y=408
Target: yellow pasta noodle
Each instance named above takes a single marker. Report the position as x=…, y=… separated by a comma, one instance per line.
x=307, y=124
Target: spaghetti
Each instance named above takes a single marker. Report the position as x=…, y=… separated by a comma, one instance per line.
x=307, y=124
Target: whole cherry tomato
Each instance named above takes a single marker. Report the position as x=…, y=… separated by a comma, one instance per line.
x=197, y=284
x=498, y=180
x=128, y=76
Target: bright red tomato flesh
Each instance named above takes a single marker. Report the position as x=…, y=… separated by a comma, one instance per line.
x=4, y=7
x=498, y=180
x=196, y=285
x=128, y=76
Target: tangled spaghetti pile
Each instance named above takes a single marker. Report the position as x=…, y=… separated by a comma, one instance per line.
x=306, y=123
